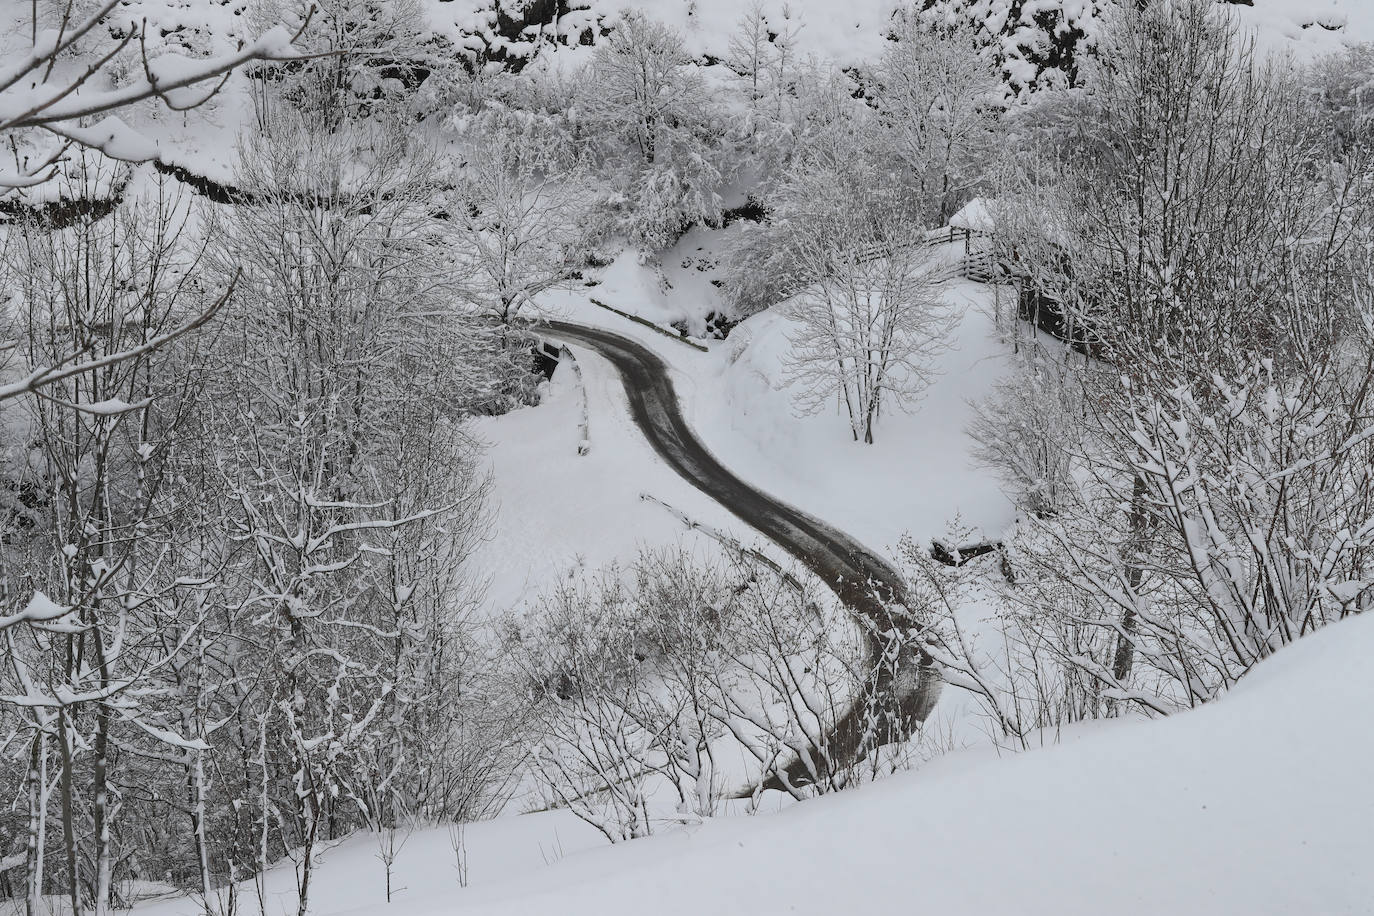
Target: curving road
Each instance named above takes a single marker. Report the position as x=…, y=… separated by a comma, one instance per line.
x=863, y=581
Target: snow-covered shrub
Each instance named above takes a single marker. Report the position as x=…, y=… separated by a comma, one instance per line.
x=371, y=59
x=1239, y=516
x=1343, y=88
x=645, y=678
x=1218, y=500
x=1029, y=430
x=619, y=667
x=794, y=677
x=820, y=125
x=758, y=272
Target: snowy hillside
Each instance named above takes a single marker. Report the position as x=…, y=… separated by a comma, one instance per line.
x=1032, y=37
x=1258, y=804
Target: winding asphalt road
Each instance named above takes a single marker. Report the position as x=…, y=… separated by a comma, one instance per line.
x=863, y=581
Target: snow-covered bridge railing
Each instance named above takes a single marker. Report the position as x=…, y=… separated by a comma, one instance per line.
x=945, y=235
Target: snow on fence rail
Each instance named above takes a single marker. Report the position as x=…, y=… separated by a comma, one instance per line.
x=943, y=236
x=977, y=266
x=666, y=332
x=584, y=443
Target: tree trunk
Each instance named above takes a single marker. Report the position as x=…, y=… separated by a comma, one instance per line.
x=68, y=814
x=1135, y=573
x=101, y=813
x=196, y=788
x=307, y=863
x=37, y=828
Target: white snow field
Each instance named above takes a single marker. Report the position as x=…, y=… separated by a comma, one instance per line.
x=1257, y=804
x=918, y=479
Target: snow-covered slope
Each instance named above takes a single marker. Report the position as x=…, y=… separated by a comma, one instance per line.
x=558, y=513
x=917, y=479
x=1035, y=41
x=1258, y=804
x=1317, y=24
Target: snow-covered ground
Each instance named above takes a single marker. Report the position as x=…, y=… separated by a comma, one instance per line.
x=916, y=479
x=1306, y=27
x=1257, y=804
x=559, y=512
x=851, y=33
x=847, y=34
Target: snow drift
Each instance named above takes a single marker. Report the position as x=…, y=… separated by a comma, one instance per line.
x=1258, y=803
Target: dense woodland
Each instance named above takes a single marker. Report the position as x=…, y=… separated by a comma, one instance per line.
x=239, y=496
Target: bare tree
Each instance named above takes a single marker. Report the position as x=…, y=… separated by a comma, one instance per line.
x=647, y=681
x=53, y=92
x=350, y=486
x=938, y=105
x=1185, y=184
x=87, y=663
x=521, y=209
x=869, y=320
x=1179, y=220
x=1031, y=428
x=762, y=55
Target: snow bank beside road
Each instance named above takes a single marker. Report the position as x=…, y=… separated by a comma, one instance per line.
x=558, y=513
x=1257, y=804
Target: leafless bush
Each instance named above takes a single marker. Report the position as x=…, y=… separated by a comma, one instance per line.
x=645, y=681
x=1030, y=428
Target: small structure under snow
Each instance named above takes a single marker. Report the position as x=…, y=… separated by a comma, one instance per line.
x=975, y=216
